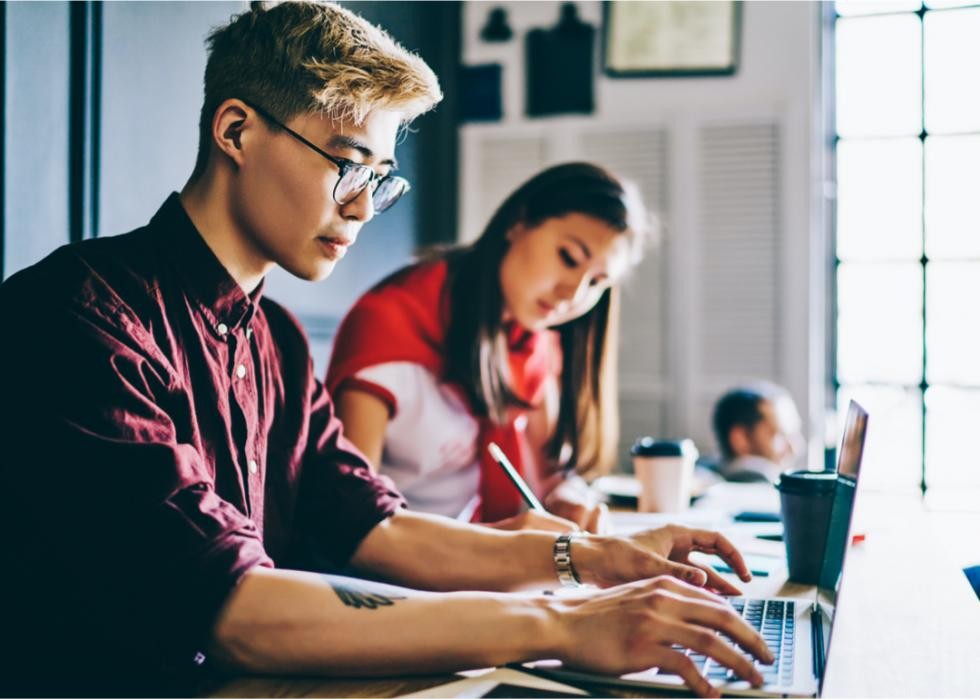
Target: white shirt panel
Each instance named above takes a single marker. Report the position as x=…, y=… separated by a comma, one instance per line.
x=430, y=443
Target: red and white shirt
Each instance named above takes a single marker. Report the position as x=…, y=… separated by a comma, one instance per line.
x=391, y=345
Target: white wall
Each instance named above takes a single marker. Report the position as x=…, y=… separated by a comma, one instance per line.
x=736, y=289
x=152, y=90
x=36, y=138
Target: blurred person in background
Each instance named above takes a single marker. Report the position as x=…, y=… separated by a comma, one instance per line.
x=757, y=427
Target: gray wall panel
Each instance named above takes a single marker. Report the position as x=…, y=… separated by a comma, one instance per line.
x=36, y=133
x=152, y=90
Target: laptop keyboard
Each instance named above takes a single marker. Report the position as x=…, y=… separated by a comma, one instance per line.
x=775, y=620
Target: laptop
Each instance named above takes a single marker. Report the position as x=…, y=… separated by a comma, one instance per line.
x=798, y=630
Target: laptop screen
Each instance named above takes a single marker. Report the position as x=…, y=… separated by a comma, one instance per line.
x=841, y=515
x=848, y=469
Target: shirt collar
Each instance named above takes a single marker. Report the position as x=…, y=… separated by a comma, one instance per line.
x=220, y=298
x=518, y=337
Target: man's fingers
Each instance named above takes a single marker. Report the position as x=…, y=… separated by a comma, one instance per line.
x=716, y=543
x=707, y=642
x=690, y=574
x=679, y=664
x=680, y=587
x=718, y=582
x=723, y=618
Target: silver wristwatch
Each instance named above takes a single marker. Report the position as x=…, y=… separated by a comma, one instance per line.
x=562, y=553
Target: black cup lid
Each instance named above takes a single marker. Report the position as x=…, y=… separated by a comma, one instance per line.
x=648, y=446
x=807, y=482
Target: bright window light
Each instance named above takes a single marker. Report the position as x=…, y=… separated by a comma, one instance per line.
x=907, y=232
x=879, y=76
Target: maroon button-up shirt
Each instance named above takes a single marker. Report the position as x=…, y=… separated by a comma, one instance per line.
x=162, y=432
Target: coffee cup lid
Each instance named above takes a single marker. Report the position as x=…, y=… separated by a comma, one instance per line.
x=648, y=446
x=807, y=482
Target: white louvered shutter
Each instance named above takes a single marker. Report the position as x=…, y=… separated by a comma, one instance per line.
x=739, y=228
x=641, y=156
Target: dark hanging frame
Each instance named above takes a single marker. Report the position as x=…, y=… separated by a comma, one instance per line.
x=3, y=135
x=441, y=47
x=85, y=99
x=609, y=17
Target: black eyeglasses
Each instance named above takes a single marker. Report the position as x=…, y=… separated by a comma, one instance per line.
x=354, y=177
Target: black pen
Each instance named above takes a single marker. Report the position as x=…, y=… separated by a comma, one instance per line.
x=515, y=478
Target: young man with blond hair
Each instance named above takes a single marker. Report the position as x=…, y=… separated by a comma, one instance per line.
x=178, y=495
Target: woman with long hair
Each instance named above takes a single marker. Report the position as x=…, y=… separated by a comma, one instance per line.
x=509, y=339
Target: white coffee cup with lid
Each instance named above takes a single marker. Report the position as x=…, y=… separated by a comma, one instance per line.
x=665, y=470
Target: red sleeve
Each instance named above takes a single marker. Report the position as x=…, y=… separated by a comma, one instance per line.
x=400, y=321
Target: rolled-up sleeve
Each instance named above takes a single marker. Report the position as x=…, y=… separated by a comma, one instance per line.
x=341, y=499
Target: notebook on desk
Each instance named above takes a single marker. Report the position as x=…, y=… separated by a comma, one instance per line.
x=798, y=631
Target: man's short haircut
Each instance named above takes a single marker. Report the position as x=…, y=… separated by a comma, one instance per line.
x=740, y=407
x=311, y=57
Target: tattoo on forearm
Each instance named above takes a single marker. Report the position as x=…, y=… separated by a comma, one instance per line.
x=356, y=596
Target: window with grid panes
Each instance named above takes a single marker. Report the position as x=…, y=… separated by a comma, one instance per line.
x=907, y=112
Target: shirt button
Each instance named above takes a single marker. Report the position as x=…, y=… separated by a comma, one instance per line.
x=253, y=467
x=241, y=371
x=222, y=329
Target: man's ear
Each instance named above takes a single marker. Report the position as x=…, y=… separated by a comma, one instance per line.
x=738, y=440
x=230, y=127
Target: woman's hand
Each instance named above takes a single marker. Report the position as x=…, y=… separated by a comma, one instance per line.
x=631, y=628
x=534, y=519
x=607, y=561
x=572, y=499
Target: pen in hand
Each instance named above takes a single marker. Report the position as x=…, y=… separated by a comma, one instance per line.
x=523, y=488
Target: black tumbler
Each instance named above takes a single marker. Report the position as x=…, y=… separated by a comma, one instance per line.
x=806, y=499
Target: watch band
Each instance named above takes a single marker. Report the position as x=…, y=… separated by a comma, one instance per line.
x=562, y=553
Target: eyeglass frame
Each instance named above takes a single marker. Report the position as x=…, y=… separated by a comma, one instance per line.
x=344, y=165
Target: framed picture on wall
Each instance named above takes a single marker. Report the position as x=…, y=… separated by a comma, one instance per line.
x=670, y=38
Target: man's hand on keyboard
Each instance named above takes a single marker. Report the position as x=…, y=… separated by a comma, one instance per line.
x=607, y=561
x=632, y=627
